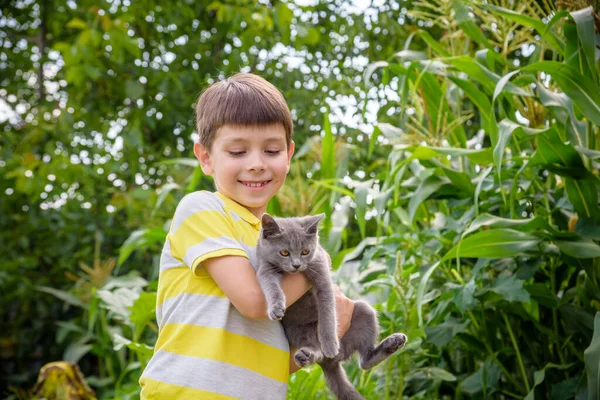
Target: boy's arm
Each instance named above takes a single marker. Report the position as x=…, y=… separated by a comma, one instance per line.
x=237, y=279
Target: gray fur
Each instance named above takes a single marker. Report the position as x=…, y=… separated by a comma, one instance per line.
x=310, y=323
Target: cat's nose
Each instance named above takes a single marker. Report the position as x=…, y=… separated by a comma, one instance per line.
x=296, y=266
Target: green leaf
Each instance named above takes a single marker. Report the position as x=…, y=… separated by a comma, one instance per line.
x=76, y=23
x=506, y=130
x=361, y=191
x=119, y=301
x=142, y=311
x=502, y=83
x=583, y=194
x=494, y=243
x=552, y=150
x=442, y=334
x=539, y=376
x=432, y=43
x=438, y=110
x=592, y=362
x=525, y=225
x=140, y=239
x=485, y=379
x=283, y=18
x=511, y=289
x=584, y=20
x=592, y=154
x=62, y=295
x=481, y=157
x=76, y=351
x=543, y=295
x=464, y=299
x=164, y=192
x=438, y=374
x=468, y=26
x=425, y=189
x=580, y=248
x=565, y=389
x=370, y=70
x=410, y=55
x=327, y=150
x=575, y=129
x=581, y=89
x=549, y=35
x=479, y=99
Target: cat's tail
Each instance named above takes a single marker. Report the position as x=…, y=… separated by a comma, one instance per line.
x=338, y=382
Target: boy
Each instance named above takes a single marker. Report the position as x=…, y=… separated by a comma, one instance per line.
x=215, y=340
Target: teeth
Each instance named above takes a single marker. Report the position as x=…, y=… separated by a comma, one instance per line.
x=251, y=184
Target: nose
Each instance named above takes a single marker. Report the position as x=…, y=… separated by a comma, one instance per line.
x=296, y=266
x=256, y=162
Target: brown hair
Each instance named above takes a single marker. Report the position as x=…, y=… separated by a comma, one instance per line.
x=242, y=99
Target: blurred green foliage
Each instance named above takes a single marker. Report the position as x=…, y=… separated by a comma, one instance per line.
x=454, y=147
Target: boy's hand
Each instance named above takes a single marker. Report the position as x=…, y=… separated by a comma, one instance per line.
x=344, y=307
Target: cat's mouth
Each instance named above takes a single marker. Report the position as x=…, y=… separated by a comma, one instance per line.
x=255, y=184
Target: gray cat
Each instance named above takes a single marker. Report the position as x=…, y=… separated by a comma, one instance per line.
x=292, y=245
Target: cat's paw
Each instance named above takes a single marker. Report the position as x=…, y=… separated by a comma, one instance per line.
x=276, y=311
x=304, y=357
x=330, y=347
x=394, y=342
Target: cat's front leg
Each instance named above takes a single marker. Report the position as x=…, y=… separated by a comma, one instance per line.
x=327, y=326
x=270, y=283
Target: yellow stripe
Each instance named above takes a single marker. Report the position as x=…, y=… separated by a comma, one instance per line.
x=174, y=281
x=220, y=345
x=210, y=224
x=167, y=391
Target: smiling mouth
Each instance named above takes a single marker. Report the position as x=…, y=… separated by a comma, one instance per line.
x=254, y=184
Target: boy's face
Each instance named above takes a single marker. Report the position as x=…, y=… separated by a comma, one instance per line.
x=248, y=163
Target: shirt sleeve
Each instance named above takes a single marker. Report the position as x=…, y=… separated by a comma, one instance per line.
x=203, y=229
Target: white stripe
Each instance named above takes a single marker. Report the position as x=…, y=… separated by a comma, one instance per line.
x=213, y=376
x=251, y=252
x=194, y=203
x=218, y=312
x=167, y=261
x=208, y=245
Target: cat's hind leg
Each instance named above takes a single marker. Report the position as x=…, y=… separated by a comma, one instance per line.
x=307, y=356
x=363, y=334
x=383, y=350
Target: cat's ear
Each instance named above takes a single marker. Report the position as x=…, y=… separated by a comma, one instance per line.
x=311, y=223
x=269, y=226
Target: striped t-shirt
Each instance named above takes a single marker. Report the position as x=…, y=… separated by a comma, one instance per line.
x=205, y=348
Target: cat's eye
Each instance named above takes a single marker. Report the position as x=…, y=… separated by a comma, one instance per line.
x=305, y=252
x=284, y=253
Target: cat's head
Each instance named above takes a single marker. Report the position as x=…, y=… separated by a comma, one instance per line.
x=289, y=243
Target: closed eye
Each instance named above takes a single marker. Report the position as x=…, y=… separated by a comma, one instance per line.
x=273, y=152
x=236, y=153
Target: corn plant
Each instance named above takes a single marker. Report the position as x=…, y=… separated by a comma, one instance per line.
x=480, y=233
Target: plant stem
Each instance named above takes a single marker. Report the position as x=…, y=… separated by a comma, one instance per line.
x=561, y=356
x=514, y=342
x=506, y=392
x=502, y=367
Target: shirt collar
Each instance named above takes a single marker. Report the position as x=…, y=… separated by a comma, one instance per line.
x=241, y=211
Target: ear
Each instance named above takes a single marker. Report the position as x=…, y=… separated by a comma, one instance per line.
x=311, y=223
x=269, y=226
x=289, y=155
x=203, y=156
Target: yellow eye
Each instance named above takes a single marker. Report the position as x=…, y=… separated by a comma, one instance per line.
x=305, y=252
x=284, y=253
